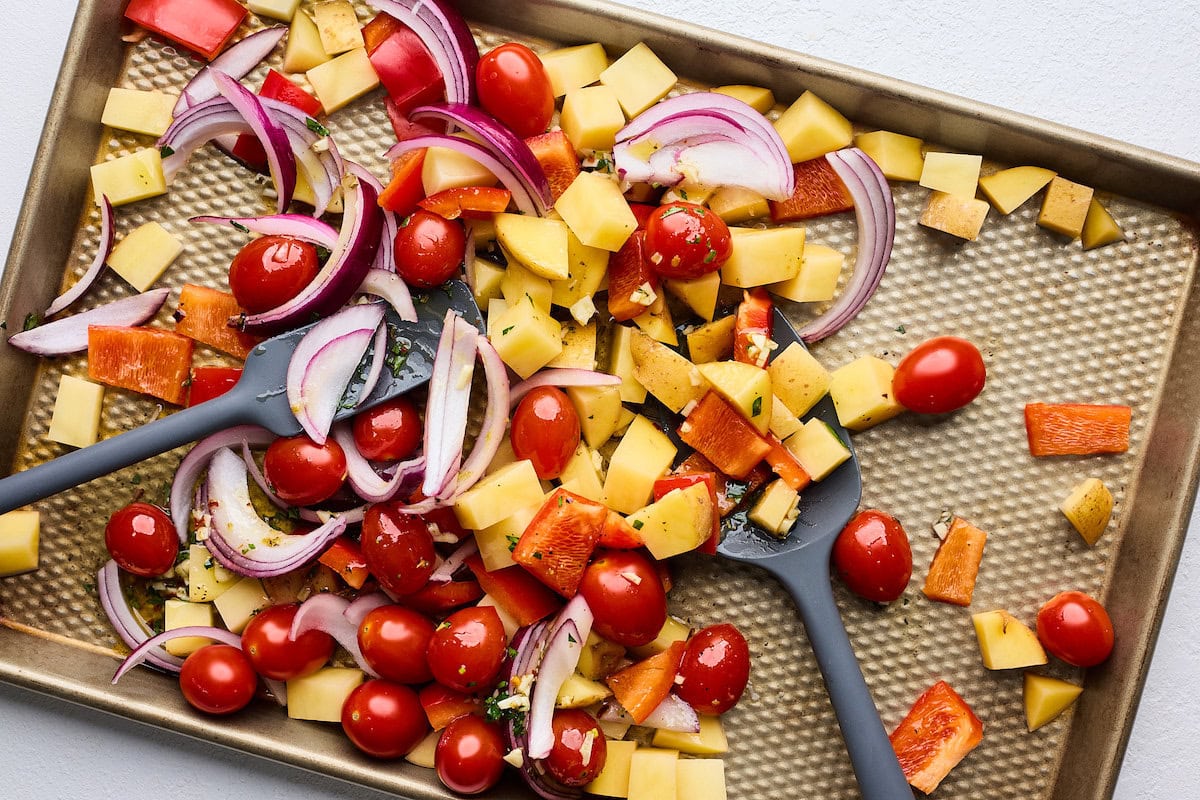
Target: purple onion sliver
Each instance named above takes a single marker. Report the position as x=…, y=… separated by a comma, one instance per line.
x=495, y=417
x=69, y=334
x=236, y=62
x=327, y=612
x=364, y=604
x=197, y=459
x=392, y=288
x=142, y=652
x=127, y=625
x=107, y=233
x=445, y=571
x=297, y=226
x=270, y=133
x=378, y=355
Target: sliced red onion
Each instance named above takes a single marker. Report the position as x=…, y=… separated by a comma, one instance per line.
x=562, y=656
x=392, y=288
x=324, y=362
x=146, y=651
x=306, y=514
x=184, y=484
x=875, y=213
x=363, y=478
x=107, y=231
x=672, y=714
x=495, y=418
x=469, y=259
x=125, y=622
x=446, y=35
x=499, y=166
x=274, y=139
x=385, y=257
x=237, y=61
x=449, y=402
x=296, y=226
x=327, y=612
x=364, y=604
x=375, y=370
x=278, y=690
x=454, y=562
x=561, y=377
x=69, y=334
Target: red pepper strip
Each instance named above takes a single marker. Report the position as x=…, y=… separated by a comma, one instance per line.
x=1076, y=429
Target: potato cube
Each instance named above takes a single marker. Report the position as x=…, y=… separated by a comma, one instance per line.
x=207, y=579
x=240, y=602
x=1047, y=698
x=493, y=498
x=141, y=112
x=304, y=50
x=818, y=449
x=343, y=80
x=486, y=285
x=496, y=541
x=678, y=523
x=519, y=283
x=898, y=156
x=1005, y=642
x=733, y=204
x=580, y=692
x=304, y=191
x=582, y=475
x=182, y=614
x=621, y=364
x=596, y=211
x=710, y=741
x=1010, y=188
x=673, y=630
x=282, y=10
x=760, y=99
x=668, y=376
x=712, y=341
x=957, y=216
x=1089, y=508
x=337, y=25
x=776, y=509
x=1099, y=228
x=763, y=256
x=862, y=393
x=570, y=68
x=811, y=127
x=639, y=78
x=528, y=339
x=817, y=280
x=656, y=321
x=144, y=255
x=320, y=696
x=1065, y=207
x=448, y=169
x=511, y=626
x=688, y=193
x=652, y=774
x=613, y=780
x=698, y=294
x=539, y=243
x=586, y=270
x=20, y=532
x=700, y=779
x=578, y=346
x=643, y=456
x=955, y=174
x=798, y=379
x=783, y=422
x=599, y=657
x=76, y=418
x=591, y=118
x=745, y=386
x=425, y=753
x=130, y=178
x=599, y=410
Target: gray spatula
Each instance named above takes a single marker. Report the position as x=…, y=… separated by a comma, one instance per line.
x=259, y=398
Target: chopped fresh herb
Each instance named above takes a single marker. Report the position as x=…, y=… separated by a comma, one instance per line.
x=322, y=253
x=694, y=240
x=537, y=554
x=166, y=152
x=136, y=480
x=89, y=587
x=316, y=127
x=571, y=639
x=443, y=625
x=404, y=222
x=672, y=211
x=512, y=542
x=506, y=330
x=32, y=320
x=901, y=329
x=756, y=406
x=637, y=524
x=239, y=226
x=247, y=547
x=683, y=194
x=711, y=256
x=511, y=652
x=561, y=499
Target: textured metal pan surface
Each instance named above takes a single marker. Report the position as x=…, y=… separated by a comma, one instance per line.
x=1055, y=324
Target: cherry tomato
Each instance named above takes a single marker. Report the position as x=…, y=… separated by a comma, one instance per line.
x=393, y=640
x=514, y=89
x=303, y=472
x=271, y=270
x=623, y=589
x=715, y=669
x=686, y=241
x=141, y=538
x=265, y=642
x=466, y=650
x=429, y=249
x=872, y=556
x=470, y=755
x=939, y=375
x=390, y=431
x=218, y=679
x=576, y=734
x=398, y=549
x=1075, y=628
x=384, y=719
x=545, y=430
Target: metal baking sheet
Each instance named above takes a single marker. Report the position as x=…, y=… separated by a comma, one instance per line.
x=1055, y=324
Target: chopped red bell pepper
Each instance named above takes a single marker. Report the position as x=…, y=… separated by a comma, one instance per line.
x=475, y=202
x=556, y=154
x=345, y=558
x=682, y=480
x=444, y=705
x=955, y=566
x=938, y=733
x=640, y=687
x=147, y=360
x=723, y=436
x=406, y=188
x=203, y=26
x=378, y=29
x=516, y=591
x=618, y=534
x=248, y=149
x=785, y=465
x=209, y=382
x=642, y=213
x=819, y=191
x=1077, y=429
x=203, y=314
x=752, y=328
x=628, y=270
x=403, y=63
x=436, y=599
x=559, y=540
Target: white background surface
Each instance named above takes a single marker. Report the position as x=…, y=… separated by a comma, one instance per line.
x=1120, y=69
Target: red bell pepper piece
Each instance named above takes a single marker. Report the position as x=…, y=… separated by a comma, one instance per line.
x=403, y=63
x=475, y=202
x=202, y=26
x=516, y=591
x=785, y=465
x=209, y=382
x=275, y=86
x=147, y=360
x=682, y=480
x=618, y=534
x=723, y=436
x=628, y=269
x=642, y=213
x=444, y=705
x=938, y=733
x=345, y=558
x=819, y=191
x=556, y=154
x=640, y=687
x=559, y=540
x=406, y=188
x=752, y=328
x=378, y=29
x=203, y=314
x=437, y=599
x=1077, y=429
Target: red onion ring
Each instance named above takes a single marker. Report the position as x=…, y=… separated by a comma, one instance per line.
x=363, y=478
x=184, y=483
x=364, y=604
x=495, y=418
x=392, y=288
x=454, y=562
x=449, y=402
x=296, y=226
x=237, y=61
x=124, y=621
x=446, y=35
x=563, y=376
x=69, y=334
x=378, y=354
x=144, y=651
x=274, y=139
x=499, y=166
x=672, y=714
x=385, y=257
x=562, y=655
x=107, y=232
x=327, y=613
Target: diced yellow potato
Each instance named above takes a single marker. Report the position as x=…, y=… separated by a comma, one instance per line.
x=504, y=456
x=579, y=346
x=20, y=532
x=673, y=630
x=496, y=541
x=811, y=127
x=444, y=168
x=493, y=498
x=643, y=456
x=1005, y=642
x=130, y=178
x=613, y=780
x=144, y=255
x=652, y=774
x=1099, y=227
x=1047, y=698
x=898, y=156
x=486, y=285
x=304, y=50
x=495, y=310
x=343, y=80
x=596, y=211
x=581, y=475
x=519, y=283
x=712, y=341
x=698, y=294
x=958, y=216
x=688, y=193
x=776, y=508
x=337, y=25
x=862, y=393
x=745, y=386
x=625, y=421
x=207, y=579
x=710, y=741
x=656, y=322
x=141, y=112
x=76, y=418
x=700, y=779
x=955, y=174
x=484, y=231
x=591, y=118
x=586, y=268
x=528, y=339
x=539, y=243
x=621, y=364
x=424, y=754
x=783, y=422
x=798, y=379
x=817, y=280
x=282, y=10
x=1065, y=207
x=733, y=205
x=639, y=78
x=304, y=191
x=670, y=377
x=182, y=614
x=580, y=692
x=818, y=449
x=1008, y=189
x=1089, y=508
x=763, y=256
x=678, y=523
x=511, y=626
x=599, y=411
x=760, y=99
x=320, y=696
x=570, y=68
x=240, y=602
x=599, y=657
